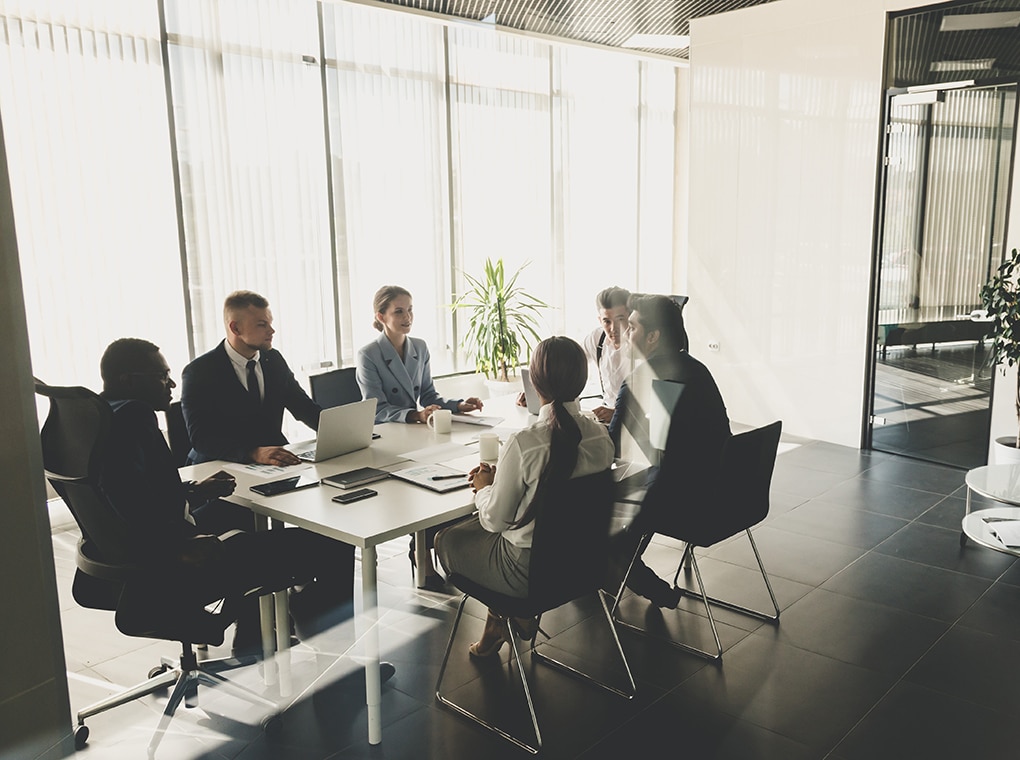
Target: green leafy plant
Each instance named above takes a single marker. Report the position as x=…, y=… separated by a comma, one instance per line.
x=503, y=321
x=1001, y=298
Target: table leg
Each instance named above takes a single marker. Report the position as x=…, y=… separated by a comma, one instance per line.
x=963, y=536
x=369, y=633
x=266, y=618
x=421, y=559
x=282, y=599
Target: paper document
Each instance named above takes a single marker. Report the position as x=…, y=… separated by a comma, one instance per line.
x=265, y=470
x=439, y=453
x=435, y=477
x=477, y=419
x=1007, y=531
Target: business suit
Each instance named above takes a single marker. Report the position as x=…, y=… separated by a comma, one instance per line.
x=399, y=384
x=684, y=474
x=224, y=422
x=143, y=485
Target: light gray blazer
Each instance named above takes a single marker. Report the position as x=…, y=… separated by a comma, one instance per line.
x=399, y=386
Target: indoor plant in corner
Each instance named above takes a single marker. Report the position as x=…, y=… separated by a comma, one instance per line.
x=1001, y=298
x=502, y=323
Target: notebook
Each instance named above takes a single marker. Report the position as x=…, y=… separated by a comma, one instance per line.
x=342, y=429
x=530, y=394
x=358, y=477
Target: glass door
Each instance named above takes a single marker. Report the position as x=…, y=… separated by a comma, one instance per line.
x=947, y=173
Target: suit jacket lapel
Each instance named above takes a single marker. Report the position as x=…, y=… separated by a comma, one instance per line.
x=401, y=373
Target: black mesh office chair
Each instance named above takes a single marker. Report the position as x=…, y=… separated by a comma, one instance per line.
x=741, y=501
x=74, y=443
x=335, y=388
x=569, y=557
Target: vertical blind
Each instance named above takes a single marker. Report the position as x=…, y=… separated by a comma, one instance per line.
x=323, y=150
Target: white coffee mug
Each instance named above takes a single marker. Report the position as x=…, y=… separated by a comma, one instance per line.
x=488, y=447
x=441, y=420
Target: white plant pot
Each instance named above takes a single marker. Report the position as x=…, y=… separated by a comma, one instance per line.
x=499, y=388
x=1005, y=450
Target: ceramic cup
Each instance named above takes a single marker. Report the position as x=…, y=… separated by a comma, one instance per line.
x=488, y=447
x=441, y=420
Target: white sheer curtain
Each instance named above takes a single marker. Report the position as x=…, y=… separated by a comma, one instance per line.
x=598, y=134
x=85, y=123
x=446, y=144
x=502, y=165
x=251, y=146
x=385, y=84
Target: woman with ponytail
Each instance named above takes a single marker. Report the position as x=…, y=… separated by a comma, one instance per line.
x=494, y=547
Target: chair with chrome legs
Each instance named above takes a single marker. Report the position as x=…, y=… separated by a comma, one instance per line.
x=569, y=557
x=740, y=502
x=109, y=577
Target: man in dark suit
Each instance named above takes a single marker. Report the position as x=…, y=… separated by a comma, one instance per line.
x=233, y=398
x=143, y=484
x=679, y=428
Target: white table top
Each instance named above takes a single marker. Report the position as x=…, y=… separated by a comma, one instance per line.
x=400, y=508
x=1000, y=482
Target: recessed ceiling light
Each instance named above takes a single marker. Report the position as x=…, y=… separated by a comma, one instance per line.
x=975, y=64
x=658, y=41
x=961, y=22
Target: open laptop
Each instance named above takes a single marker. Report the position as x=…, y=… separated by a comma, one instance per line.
x=530, y=394
x=342, y=429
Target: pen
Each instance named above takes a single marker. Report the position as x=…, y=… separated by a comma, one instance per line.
x=447, y=477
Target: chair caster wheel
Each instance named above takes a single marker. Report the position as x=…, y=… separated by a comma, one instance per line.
x=81, y=736
x=158, y=671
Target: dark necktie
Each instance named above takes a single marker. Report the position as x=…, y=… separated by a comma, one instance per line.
x=253, y=383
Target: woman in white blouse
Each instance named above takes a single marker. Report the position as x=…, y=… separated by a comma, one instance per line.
x=494, y=547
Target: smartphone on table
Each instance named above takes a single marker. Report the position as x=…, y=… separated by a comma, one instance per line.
x=348, y=496
x=286, y=485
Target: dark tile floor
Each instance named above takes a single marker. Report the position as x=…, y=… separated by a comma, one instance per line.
x=894, y=642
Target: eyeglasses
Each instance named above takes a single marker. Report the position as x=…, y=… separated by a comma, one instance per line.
x=164, y=375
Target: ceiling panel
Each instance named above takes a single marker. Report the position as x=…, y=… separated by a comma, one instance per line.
x=602, y=22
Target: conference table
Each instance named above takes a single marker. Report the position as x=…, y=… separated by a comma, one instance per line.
x=399, y=508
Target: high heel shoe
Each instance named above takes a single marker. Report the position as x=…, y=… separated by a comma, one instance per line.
x=476, y=650
x=525, y=628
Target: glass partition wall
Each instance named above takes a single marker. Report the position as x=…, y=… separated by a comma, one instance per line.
x=948, y=158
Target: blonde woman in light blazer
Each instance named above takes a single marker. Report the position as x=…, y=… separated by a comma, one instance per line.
x=394, y=370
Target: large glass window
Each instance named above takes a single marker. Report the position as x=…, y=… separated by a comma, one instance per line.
x=322, y=150
x=85, y=124
x=248, y=115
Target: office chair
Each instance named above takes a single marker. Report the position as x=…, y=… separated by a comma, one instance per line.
x=335, y=388
x=569, y=556
x=74, y=444
x=177, y=433
x=741, y=502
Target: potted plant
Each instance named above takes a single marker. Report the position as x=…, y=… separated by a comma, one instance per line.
x=1001, y=298
x=502, y=327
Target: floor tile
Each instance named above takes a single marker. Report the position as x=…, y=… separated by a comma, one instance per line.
x=892, y=642
x=883, y=497
x=806, y=697
x=838, y=523
x=909, y=586
x=912, y=721
x=940, y=547
x=975, y=666
x=856, y=631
